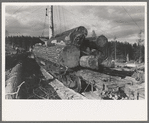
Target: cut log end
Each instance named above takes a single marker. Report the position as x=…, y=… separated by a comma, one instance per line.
x=70, y=56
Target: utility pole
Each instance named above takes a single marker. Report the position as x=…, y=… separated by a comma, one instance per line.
x=139, y=43
x=115, y=47
x=51, y=25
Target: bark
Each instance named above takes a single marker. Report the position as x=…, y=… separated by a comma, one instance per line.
x=131, y=87
x=70, y=56
x=57, y=60
x=62, y=91
x=99, y=45
x=89, y=62
x=100, y=79
x=15, y=79
x=74, y=36
x=61, y=55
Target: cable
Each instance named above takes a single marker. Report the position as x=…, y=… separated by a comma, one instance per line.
x=28, y=14
x=32, y=16
x=42, y=35
x=17, y=10
x=59, y=18
x=86, y=22
x=131, y=17
x=64, y=19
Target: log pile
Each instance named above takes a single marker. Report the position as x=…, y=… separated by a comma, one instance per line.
x=97, y=47
x=75, y=51
x=59, y=59
x=63, y=61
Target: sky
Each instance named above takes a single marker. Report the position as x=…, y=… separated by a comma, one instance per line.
x=122, y=22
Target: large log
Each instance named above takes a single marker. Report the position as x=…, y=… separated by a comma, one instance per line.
x=57, y=60
x=61, y=55
x=63, y=92
x=96, y=43
x=70, y=56
x=12, y=84
x=99, y=43
x=74, y=36
x=98, y=79
x=89, y=62
x=130, y=85
x=96, y=47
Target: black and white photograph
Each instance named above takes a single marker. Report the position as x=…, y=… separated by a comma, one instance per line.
x=67, y=51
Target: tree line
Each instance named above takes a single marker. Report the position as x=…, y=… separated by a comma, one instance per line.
x=123, y=49
x=22, y=41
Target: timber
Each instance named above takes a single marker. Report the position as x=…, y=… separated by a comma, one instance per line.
x=73, y=36
x=106, y=82
x=63, y=92
x=63, y=55
x=89, y=62
x=80, y=59
x=99, y=45
x=12, y=84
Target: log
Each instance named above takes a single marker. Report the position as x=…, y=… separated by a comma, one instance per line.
x=101, y=41
x=70, y=56
x=74, y=36
x=99, y=79
x=62, y=91
x=99, y=44
x=130, y=85
x=95, y=43
x=61, y=55
x=139, y=76
x=108, y=63
x=60, y=72
x=12, y=84
x=89, y=62
x=135, y=92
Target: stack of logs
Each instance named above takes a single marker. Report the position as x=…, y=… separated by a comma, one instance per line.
x=75, y=51
x=79, y=50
